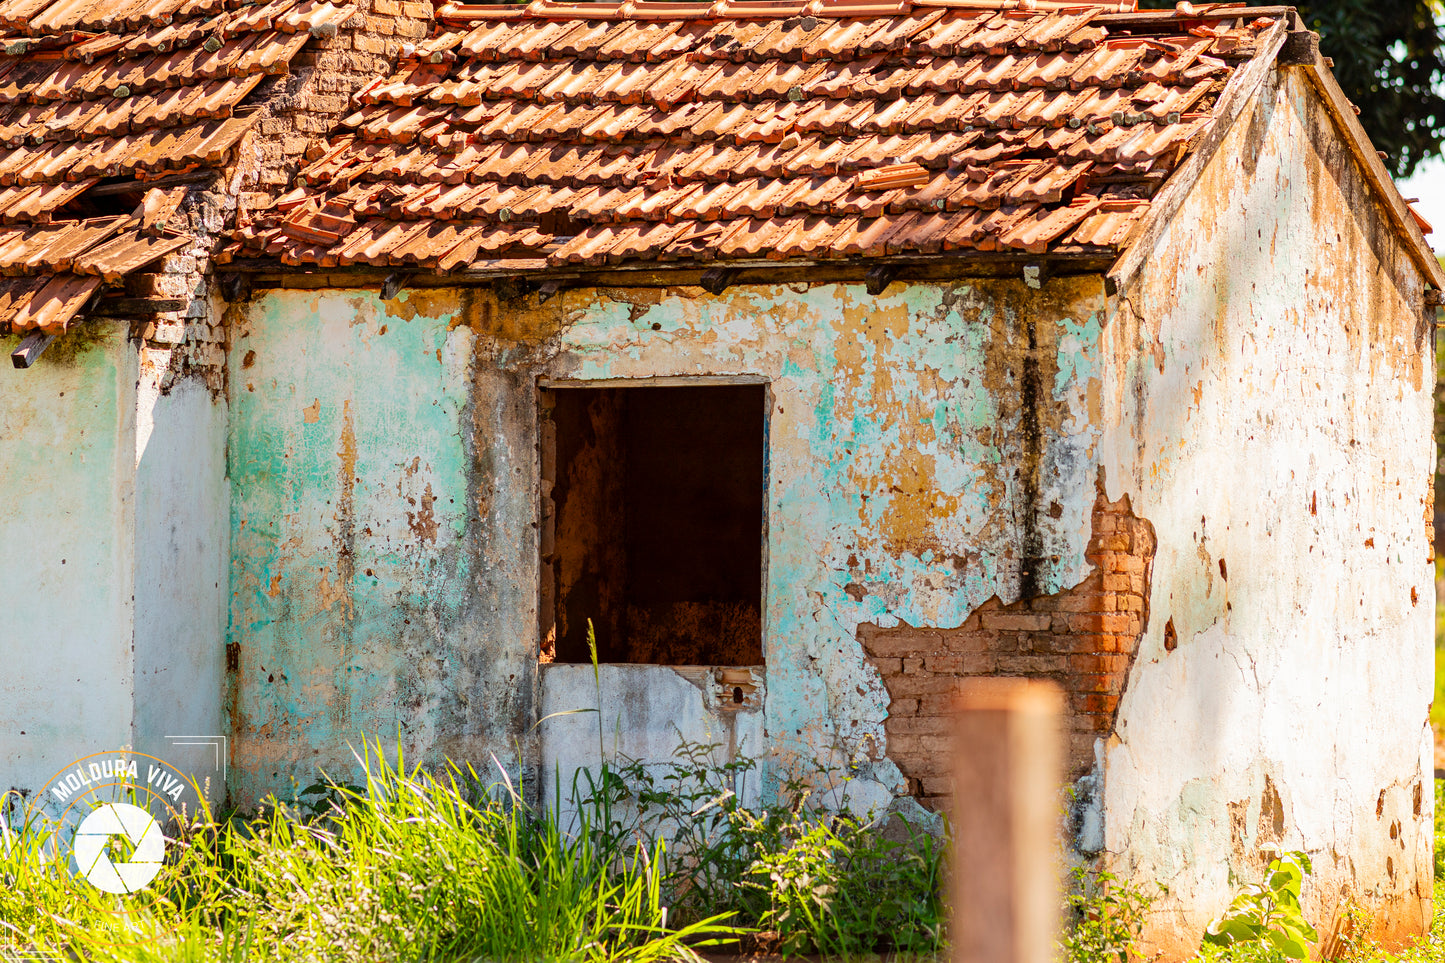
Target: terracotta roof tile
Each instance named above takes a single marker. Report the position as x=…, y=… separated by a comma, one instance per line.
x=50, y=303
x=14, y=292
x=601, y=132
x=118, y=257
x=1108, y=224
x=36, y=202
x=57, y=249
x=122, y=89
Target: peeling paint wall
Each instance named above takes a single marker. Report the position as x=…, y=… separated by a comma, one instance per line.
x=67, y=561
x=929, y=448
x=1267, y=407
x=1083, y=638
x=382, y=538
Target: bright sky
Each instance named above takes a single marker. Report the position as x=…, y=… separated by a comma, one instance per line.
x=1428, y=184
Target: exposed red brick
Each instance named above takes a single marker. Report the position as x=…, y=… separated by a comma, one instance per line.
x=1084, y=638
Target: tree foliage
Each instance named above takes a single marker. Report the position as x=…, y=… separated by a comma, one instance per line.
x=1390, y=59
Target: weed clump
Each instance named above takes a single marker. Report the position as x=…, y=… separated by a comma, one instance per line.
x=407, y=866
x=1106, y=918
x=803, y=875
x=642, y=864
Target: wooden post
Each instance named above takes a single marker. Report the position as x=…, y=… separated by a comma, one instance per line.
x=30, y=349
x=1008, y=768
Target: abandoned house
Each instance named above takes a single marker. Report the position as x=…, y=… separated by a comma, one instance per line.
x=816, y=353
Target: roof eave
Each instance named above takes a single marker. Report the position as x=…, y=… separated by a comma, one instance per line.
x=269, y=273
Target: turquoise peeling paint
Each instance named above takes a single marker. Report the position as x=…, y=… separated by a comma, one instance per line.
x=339, y=435
x=861, y=386
x=894, y=466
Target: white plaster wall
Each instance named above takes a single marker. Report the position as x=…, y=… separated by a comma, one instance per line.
x=67, y=559
x=639, y=712
x=1267, y=405
x=182, y=532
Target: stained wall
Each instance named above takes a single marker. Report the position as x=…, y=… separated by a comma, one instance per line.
x=1266, y=406
x=383, y=553
x=116, y=552
x=928, y=449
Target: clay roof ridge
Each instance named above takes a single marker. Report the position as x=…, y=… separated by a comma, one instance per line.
x=706, y=10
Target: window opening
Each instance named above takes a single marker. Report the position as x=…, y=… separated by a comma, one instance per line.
x=653, y=523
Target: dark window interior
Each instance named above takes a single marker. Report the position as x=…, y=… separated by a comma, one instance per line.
x=653, y=523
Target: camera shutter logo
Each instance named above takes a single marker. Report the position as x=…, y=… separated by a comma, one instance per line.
x=102, y=823
x=92, y=843
x=105, y=815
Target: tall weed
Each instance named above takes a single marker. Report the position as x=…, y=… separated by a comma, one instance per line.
x=408, y=866
x=838, y=885
x=1106, y=917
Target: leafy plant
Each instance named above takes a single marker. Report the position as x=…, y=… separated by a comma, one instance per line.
x=1268, y=915
x=1349, y=937
x=693, y=802
x=1106, y=917
x=808, y=876
x=837, y=885
x=1439, y=829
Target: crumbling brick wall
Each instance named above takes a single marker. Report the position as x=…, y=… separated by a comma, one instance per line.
x=1084, y=638
x=188, y=340
x=307, y=104
x=297, y=112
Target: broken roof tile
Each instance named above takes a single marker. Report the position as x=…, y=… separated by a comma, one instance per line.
x=131, y=250
x=122, y=89
x=603, y=132
x=50, y=308
x=1108, y=223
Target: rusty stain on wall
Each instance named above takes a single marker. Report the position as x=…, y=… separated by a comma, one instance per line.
x=914, y=395
x=355, y=601
x=1286, y=424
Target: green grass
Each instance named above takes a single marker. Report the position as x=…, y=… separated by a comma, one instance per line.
x=406, y=867
x=416, y=867
x=412, y=866
x=1437, y=708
